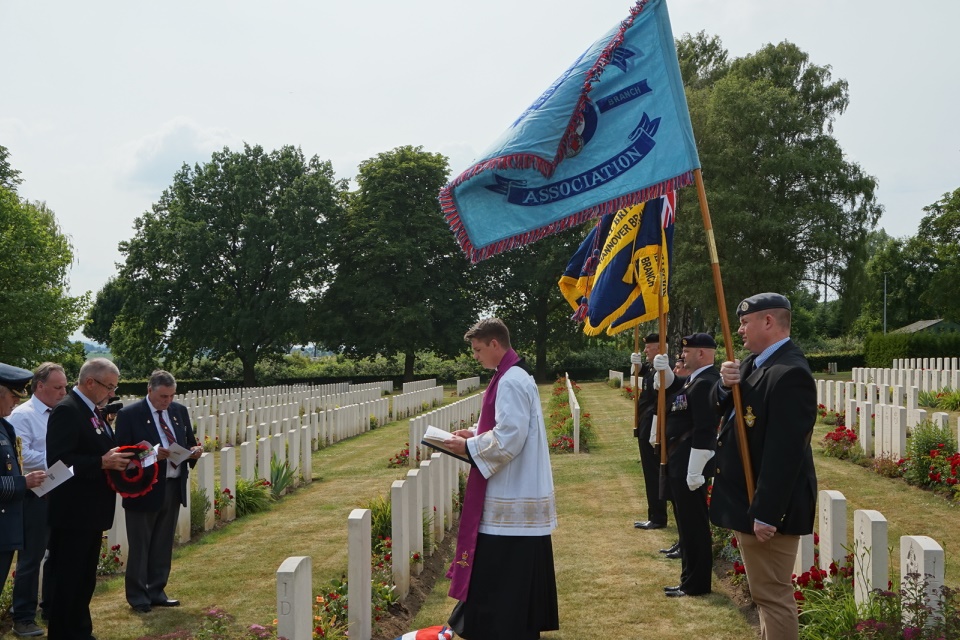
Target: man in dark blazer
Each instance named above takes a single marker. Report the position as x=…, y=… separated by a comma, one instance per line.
x=779, y=409
x=151, y=519
x=81, y=508
x=649, y=460
x=691, y=437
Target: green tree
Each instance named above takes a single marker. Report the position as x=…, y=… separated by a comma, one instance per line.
x=402, y=285
x=789, y=210
x=9, y=177
x=941, y=228
x=36, y=311
x=520, y=287
x=226, y=263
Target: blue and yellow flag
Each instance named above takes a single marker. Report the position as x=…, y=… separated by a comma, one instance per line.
x=615, y=277
x=611, y=131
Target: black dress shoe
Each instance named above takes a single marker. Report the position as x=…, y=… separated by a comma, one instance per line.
x=676, y=588
x=648, y=524
x=680, y=593
x=166, y=603
x=141, y=608
x=675, y=547
x=673, y=555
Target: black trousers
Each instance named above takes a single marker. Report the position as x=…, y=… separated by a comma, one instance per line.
x=650, y=461
x=693, y=525
x=75, y=554
x=150, y=539
x=26, y=585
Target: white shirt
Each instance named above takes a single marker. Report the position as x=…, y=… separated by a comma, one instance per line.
x=515, y=460
x=164, y=441
x=29, y=420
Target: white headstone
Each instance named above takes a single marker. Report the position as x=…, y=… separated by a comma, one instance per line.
x=228, y=481
x=921, y=562
x=359, y=618
x=414, y=507
x=205, y=481
x=263, y=458
x=295, y=599
x=399, y=517
x=866, y=427
x=870, y=566
x=898, y=433
x=833, y=527
x=306, y=459
x=805, y=557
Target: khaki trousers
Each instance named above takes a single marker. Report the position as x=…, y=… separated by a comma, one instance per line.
x=769, y=568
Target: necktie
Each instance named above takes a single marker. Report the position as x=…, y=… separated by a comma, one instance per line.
x=171, y=439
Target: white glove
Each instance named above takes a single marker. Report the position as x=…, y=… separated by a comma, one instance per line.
x=636, y=358
x=662, y=363
x=653, y=432
x=698, y=460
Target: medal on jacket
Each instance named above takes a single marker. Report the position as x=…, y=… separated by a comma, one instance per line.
x=749, y=418
x=96, y=425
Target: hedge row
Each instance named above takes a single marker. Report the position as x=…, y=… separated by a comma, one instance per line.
x=881, y=350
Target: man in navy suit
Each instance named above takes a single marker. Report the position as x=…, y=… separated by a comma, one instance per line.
x=152, y=518
x=82, y=508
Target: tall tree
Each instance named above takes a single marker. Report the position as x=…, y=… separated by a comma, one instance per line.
x=789, y=210
x=36, y=311
x=520, y=287
x=941, y=227
x=9, y=177
x=227, y=261
x=402, y=285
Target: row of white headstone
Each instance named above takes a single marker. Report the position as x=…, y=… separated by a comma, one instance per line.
x=289, y=440
x=615, y=375
x=419, y=385
x=427, y=495
x=921, y=557
x=456, y=415
x=952, y=364
x=928, y=380
x=575, y=412
x=414, y=402
x=468, y=385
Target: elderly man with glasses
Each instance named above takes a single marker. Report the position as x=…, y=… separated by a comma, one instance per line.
x=82, y=508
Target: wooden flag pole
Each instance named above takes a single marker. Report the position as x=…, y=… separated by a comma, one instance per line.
x=662, y=393
x=635, y=371
x=727, y=335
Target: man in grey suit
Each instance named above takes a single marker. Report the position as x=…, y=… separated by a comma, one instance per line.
x=151, y=519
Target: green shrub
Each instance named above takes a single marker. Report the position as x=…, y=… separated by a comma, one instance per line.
x=381, y=524
x=928, y=450
x=252, y=496
x=281, y=477
x=199, y=506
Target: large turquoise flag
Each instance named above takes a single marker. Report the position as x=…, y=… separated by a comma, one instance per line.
x=612, y=131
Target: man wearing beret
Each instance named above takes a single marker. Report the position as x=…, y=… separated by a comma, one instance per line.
x=13, y=485
x=649, y=460
x=82, y=508
x=690, y=439
x=779, y=410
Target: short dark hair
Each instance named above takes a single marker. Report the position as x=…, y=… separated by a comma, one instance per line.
x=489, y=329
x=161, y=378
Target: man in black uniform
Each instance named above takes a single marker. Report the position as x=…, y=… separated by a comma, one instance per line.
x=779, y=411
x=690, y=440
x=656, y=507
x=13, y=485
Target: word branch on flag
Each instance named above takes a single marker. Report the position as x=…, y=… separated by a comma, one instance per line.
x=611, y=132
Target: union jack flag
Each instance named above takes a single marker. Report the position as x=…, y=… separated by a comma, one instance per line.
x=669, y=213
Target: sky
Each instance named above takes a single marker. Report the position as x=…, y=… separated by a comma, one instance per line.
x=102, y=102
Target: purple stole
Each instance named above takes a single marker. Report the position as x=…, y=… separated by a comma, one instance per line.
x=476, y=492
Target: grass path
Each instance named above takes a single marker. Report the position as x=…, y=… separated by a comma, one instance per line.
x=610, y=576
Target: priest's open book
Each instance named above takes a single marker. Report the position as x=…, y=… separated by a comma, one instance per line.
x=434, y=438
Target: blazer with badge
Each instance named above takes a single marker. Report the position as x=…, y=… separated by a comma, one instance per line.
x=136, y=423
x=13, y=486
x=780, y=409
x=85, y=501
x=691, y=421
